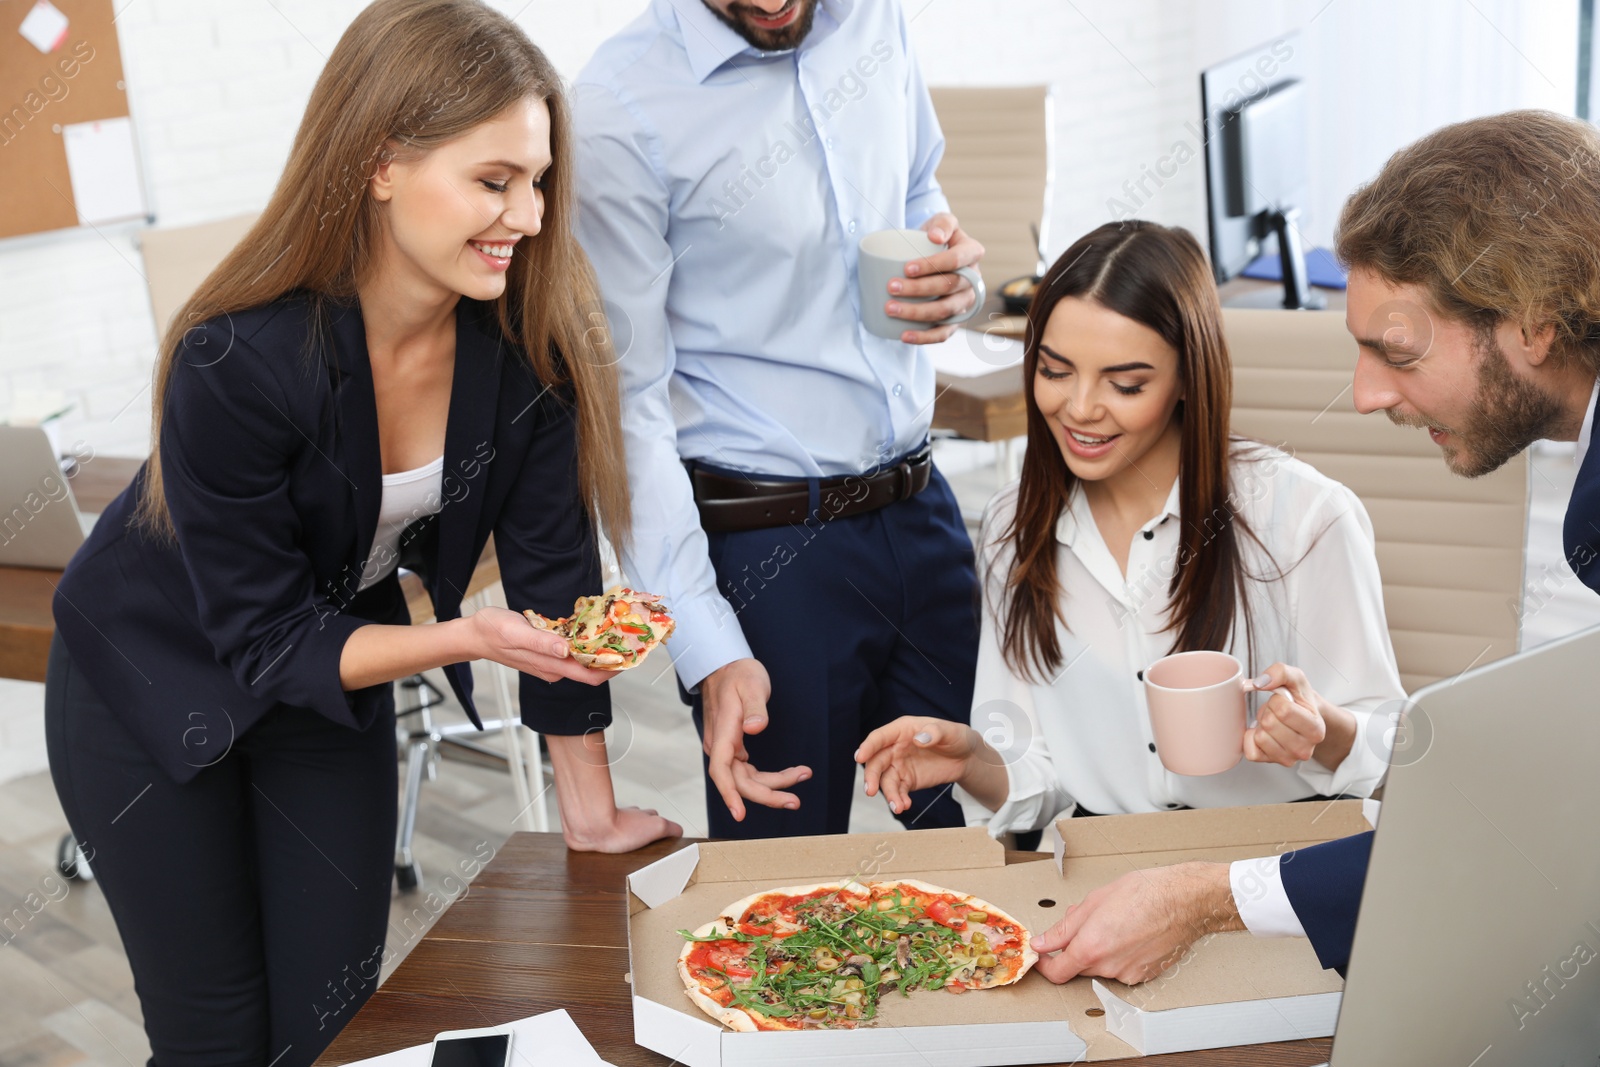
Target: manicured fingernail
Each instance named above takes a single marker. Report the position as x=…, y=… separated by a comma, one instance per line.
x=1261, y=681
x=791, y=805
x=894, y=286
x=923, y=738
x=804, y=775
x=751, y=722
x=892, y=308
x=913, y=268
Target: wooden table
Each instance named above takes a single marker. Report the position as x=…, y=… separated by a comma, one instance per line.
x=544, y=928
x=26, y=624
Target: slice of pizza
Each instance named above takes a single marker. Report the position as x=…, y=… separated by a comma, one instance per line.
x=823, y=956
x=613, y=631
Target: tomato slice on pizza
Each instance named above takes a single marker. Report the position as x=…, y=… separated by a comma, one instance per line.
x=823, y=956
x=613, y=631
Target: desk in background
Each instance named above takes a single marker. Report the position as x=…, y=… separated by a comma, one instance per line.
x=26, y=624
x=544, y=928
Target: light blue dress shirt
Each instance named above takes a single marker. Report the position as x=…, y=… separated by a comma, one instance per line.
x=723, y=191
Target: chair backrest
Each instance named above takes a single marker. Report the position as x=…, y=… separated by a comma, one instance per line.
x=1450, y=549
x=996, y=170
x=178, y=258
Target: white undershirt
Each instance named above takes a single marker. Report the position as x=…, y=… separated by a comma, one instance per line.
x=407, y=497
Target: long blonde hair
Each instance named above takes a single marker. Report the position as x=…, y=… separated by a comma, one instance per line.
x=406, y=77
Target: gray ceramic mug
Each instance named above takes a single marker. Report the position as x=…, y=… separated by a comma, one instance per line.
x=884, y=255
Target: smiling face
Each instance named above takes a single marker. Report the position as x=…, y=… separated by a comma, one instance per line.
x=1108, y=388
x=1460, y=382
x=770, y=25
x=452, y=218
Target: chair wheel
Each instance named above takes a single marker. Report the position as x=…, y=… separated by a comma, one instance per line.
x=70, y=861
x=406, y=876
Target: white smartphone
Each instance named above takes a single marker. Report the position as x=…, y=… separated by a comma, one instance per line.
x=488, y=1047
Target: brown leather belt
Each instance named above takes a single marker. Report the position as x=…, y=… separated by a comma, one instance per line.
x=733, y=502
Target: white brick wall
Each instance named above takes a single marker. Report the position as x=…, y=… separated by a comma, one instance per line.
x=216, y=88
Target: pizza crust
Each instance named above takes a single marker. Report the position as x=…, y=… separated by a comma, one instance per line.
x=736, y=910
x=732, y=1018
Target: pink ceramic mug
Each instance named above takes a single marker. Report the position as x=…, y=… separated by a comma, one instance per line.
x=1198, y=712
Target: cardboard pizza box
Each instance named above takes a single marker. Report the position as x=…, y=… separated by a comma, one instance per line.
x=1230, y=989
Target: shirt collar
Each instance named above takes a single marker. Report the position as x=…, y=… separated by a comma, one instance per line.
x=1077, y=513
x=1587, y=431
x=709, y=42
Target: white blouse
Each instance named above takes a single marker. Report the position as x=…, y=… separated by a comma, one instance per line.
x=1085, y=737
x=407, y=497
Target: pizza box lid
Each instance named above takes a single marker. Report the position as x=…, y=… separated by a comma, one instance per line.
x=1033, y=1021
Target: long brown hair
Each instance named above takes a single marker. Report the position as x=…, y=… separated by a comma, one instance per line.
x=1156, y=276
x=406, y=77
x=1495, y=218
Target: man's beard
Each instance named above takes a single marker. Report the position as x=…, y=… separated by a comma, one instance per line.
x=789, y=36
x=1507, y=414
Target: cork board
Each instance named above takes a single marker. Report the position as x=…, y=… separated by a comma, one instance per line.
x=81, y=81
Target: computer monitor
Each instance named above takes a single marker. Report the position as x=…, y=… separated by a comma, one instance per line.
x=1255, y=117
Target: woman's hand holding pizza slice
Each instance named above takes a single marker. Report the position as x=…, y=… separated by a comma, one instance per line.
x=506, y=638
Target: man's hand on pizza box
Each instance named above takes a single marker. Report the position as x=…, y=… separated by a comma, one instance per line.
x=734, y=703
x=1137, y=926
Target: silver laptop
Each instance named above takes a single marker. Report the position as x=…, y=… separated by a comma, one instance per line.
x=1478, y=939
x=40, y=525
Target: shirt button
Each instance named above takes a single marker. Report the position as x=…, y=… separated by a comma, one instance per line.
x=851, y=226
x=828, y=143
x=1149, y=535
x=899, y=389
x=1152, y=746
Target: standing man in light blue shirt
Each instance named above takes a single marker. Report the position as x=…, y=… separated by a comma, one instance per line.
x=731, y=155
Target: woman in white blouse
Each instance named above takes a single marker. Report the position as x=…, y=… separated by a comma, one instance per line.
x=1141, y=527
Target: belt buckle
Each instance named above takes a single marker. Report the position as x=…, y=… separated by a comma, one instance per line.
x=903, y=484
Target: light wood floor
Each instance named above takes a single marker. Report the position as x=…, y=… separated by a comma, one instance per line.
x=66, y=994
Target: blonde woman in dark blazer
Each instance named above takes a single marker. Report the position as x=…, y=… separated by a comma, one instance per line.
x=399, y=360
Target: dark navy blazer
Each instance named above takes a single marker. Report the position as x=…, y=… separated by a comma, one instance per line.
x=271, y=469
x=1324, y=881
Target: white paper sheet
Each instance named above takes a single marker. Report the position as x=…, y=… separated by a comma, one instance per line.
x=537, y=1040
x=45, y=27
x=104, y=169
